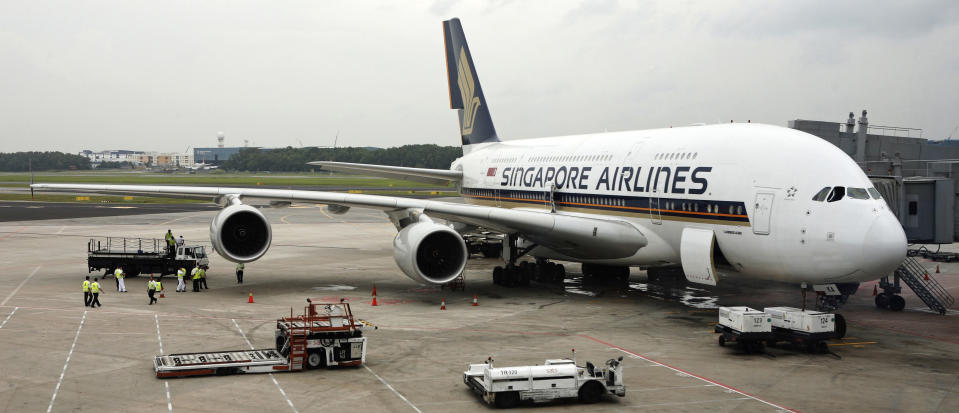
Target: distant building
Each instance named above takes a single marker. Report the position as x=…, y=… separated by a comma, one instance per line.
x=139, y=158
x=214, y=156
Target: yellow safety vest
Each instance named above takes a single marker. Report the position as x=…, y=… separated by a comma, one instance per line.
x=95, y=287
x=202, y=273
x=151, y=285
x=118, y=273
x=86, y=286
x=239, y=267
x=180, y=273
x=159, y=286
x=196, y=275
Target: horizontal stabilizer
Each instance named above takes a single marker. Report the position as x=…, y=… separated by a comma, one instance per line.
x=430, y=176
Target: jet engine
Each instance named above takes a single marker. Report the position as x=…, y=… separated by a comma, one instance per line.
x=240, y=233
x=430, y=252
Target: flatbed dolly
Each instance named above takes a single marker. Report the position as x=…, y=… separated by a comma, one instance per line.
x=326, y=335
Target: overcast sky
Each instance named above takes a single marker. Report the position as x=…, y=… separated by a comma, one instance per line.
x=168, y=75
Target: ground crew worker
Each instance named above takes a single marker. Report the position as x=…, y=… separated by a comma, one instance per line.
x=86, y=291
x=239, y=273
x=170, y=242
x=203, y=278
x=196, y=279
x=180, y=286
x=95, y=291
x=119, y=275
x=151, y=290
x=159, y=287
x=179, y=241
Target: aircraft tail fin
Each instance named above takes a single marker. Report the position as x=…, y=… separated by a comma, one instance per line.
x=466, y=95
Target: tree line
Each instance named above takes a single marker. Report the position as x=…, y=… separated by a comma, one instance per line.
x=295, y=159
x=41, y=161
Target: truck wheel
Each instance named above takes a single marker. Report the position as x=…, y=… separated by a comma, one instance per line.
x=722, y=341
x=590, y=392
x=314, y=360
x=840, y=326
x=506, y=400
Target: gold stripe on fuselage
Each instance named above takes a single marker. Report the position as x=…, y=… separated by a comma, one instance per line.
x=632, y=212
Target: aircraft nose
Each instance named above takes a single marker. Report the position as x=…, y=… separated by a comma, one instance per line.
x=884, y=246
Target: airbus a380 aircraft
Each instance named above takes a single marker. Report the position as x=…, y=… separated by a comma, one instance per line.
x=730, y=200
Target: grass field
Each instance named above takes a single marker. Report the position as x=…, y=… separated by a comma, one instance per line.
x=133, y=178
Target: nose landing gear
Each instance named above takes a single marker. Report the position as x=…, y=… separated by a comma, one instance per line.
x=889, y=299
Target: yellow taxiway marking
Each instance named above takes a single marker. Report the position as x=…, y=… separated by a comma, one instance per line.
x=857, y=344
x=283, y=219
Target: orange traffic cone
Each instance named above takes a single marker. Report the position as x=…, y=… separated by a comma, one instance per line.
x=927, y=276
x=251, y=297
x=374, y=296
x=475, y=304
x=937, y=268
x=875, y=290
x=443, y=304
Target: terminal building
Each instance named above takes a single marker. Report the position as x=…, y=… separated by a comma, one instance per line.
x=919, y=178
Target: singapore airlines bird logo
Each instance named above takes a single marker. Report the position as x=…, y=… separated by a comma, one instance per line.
x=467, y=86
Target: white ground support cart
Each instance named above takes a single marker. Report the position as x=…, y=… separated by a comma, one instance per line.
x=326, y=335
x=804, y=329
x=505, y=387
x=745, y=326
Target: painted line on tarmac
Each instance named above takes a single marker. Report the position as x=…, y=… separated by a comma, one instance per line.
x=288, y=401
x=169, y=401
x=10, y=234
x=67, y=363
x=690, y=374
x=14, y=292
x=392, y=389
x=8, y=317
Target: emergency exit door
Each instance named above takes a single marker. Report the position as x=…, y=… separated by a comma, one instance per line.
x=762, y=212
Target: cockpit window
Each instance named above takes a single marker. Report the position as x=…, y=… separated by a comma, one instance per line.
x=836, y=194
x=821, y=195
x=875, y=193
x=857, y=193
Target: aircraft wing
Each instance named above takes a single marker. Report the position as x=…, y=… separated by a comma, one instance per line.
x=430, y=176
x=572, y=235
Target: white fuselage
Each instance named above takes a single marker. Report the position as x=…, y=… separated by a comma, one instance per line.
x=752, y=185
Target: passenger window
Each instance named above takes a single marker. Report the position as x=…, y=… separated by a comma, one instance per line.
x=821, y=195
x=875, y=193
x=857, y=193
x=836, y=194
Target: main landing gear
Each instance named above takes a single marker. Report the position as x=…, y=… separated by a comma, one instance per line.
x=829, y=298
x=520, y=274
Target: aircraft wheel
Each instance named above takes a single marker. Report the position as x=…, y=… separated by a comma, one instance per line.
x=498, y=275
x=897, y=303
x=882, y=301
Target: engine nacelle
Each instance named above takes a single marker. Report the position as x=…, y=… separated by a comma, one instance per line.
x=430, y=252
x=240, y=233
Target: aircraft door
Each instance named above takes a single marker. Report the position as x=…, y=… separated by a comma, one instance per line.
x=654, y=213
x=762, y=212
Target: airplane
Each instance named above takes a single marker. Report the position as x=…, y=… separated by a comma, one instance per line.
x=701, y=202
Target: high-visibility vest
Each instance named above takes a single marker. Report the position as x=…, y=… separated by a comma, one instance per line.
x=202, y=273
x=151, y=285
x=159, y=286
x=196, y=274
x=95, y=287
x=118, y=273
x=239, y=267
x=180, y=273
x=86, y=286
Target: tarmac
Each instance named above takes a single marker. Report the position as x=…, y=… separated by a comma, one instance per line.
x=56, y=355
